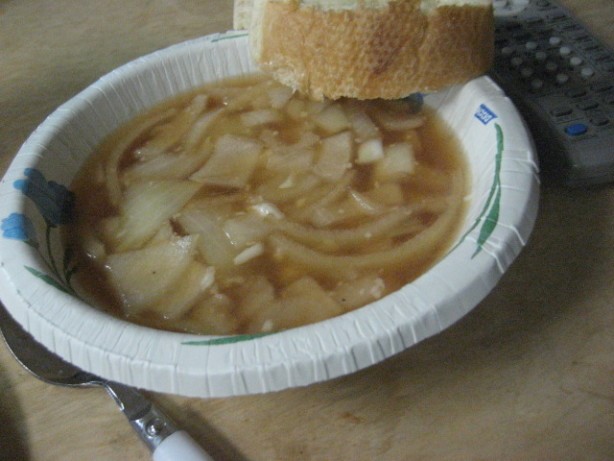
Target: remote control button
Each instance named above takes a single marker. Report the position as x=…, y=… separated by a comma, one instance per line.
x=561, y=111
x=577, y=129
x=531, y=46
x=599, y=120
x=557, y=16
x=534, y=21
x=537, y=84
x=601, y=56
x=507, y=51
x=565, y=51
x=576, y=92
x=587, y=72
x=544, y=5
x=542, y=34
x=570, y=28
x=576, y=61
x=588, y=105
x=561, y=79
x=522, y=36
x=551, y=67
x=516, y=61
x=555, y=41
x=601, y=87
x=581, y=37
x=526, y=72
x=608, y=66
x=541, y=56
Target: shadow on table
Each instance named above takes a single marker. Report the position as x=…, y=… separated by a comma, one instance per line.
x=563, y=263
x=215, y=443
x=13, y=439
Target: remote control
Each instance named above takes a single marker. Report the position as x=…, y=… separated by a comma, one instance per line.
x=561, y=79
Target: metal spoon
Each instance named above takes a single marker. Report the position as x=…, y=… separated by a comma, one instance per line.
x=159, y=433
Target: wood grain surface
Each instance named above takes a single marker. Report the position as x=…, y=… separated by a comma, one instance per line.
x=527, y=375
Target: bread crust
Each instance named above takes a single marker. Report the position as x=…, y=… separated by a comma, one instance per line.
x=366, y=53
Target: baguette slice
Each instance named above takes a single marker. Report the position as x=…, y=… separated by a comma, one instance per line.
x=369, y=49
x=242, y=14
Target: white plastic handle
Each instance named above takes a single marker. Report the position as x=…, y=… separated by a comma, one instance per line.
x=179, y=446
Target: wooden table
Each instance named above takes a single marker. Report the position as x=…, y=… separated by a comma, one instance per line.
x=528, y=375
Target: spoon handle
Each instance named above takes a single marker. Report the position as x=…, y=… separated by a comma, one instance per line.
x=179, y=446
x=161, y=435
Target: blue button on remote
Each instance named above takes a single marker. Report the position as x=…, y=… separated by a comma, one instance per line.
x=576, y=129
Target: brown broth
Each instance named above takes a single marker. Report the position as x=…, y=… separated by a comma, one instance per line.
x=230, y=305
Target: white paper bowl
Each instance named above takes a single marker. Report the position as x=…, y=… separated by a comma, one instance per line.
x=502, y=210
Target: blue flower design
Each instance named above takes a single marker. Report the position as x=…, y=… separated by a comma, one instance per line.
x=54, y=201
x=19, y=227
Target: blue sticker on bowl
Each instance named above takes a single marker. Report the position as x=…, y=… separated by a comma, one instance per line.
x=484, y=114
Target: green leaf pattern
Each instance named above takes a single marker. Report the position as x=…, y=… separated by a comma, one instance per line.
x=493, y=203
x=489, y=216
x=224, y=340
x=48, y=279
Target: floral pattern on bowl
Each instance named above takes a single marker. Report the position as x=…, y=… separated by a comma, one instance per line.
x=55, y=203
